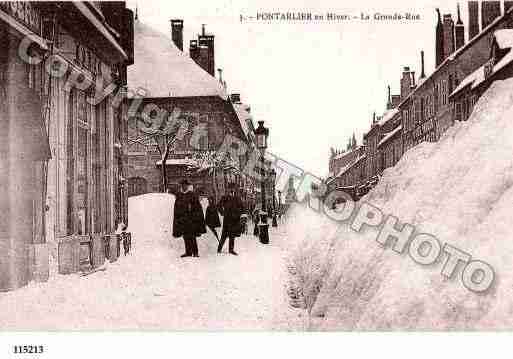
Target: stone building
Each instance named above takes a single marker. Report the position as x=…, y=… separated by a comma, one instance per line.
x=61, y=161
x=427, y=112
x=427, y=108
x=171, y=81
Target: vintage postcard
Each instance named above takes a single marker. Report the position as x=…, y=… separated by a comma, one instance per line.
x=257, y=166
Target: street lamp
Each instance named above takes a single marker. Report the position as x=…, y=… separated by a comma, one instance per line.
x=279, y=205
x=273, y=186
x=261, y=134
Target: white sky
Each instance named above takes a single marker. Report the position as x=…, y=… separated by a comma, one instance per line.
x=312, y=83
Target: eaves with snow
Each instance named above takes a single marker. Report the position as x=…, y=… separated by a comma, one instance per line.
x=162, y=70
x=504, y=40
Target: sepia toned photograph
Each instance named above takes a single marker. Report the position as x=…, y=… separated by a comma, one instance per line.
x=271, y=166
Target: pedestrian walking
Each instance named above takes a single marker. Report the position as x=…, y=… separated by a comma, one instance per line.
x=188, y=221
x=256, y=219
x=230, y=207
x=212, y=217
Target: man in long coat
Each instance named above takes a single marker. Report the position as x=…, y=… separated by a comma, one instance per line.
x=188, y=221
x=231, y=208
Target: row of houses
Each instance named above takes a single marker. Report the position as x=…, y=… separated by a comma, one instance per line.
x=185, y=87
x=426, y=107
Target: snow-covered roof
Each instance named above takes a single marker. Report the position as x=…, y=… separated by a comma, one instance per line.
x=387, y=116
x=346, y=168
x=346, y=152
x=244, y=116
x=100, y=26
x=390, y=134
x=504, y=40
x=164, y=71
x=462, y=49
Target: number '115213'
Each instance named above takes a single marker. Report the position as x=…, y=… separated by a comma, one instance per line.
x=28, y=349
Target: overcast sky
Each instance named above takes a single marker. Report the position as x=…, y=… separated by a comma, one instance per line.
x=313, y=83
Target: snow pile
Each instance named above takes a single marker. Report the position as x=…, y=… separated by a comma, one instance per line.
x=459, y=189
x=164, y=71
x=153, y=289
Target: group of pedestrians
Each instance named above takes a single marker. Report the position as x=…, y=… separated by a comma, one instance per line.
x=190, y=223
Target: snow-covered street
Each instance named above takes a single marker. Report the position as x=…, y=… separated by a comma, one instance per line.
x=155, y=289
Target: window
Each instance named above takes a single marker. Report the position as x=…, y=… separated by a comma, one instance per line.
x=458, y=114
x=70, y=166
x=106, y=165
x=422, y=109
x=435, y=99
x=418, y=111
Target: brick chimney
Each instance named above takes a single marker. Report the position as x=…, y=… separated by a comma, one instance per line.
x=473, y=21
x=207, y=41
x=422, y=72
x=459, y=31
x=177, y=32
x=193, y=50
x=406, y=83
x=490, y=10
x=448, y=26
x=439, y=40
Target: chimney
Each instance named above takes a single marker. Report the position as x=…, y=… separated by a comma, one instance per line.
x=405, y=83
x=459, y=31
x=490, y=10
x=422, y=72
x=448, y=26
x=235, y=97
x=207, y=41
x=220, y=71
x=177, y=32
x=389, y=100
x=413, y=85
x=439, y=40
x=193, y=50
x=473, y=21
x=507, y=5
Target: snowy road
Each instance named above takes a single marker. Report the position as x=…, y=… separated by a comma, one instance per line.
x=155, y=289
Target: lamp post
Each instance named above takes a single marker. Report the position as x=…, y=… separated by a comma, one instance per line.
x=279, y=205
x=273, y=186
x=261, y=134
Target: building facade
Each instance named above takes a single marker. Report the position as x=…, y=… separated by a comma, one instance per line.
x=185, y=89
x=427, y=108
x=62, y=161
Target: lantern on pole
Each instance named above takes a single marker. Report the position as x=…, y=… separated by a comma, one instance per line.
x=261, y=135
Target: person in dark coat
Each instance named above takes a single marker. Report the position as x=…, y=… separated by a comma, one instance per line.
x=188, y=221
x=231, y=208
x=212, y=217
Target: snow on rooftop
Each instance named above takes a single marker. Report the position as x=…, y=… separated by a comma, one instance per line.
x=504, y=39
x=390, y=134
x=164, y=71
x=462, y=49
x=387, y=116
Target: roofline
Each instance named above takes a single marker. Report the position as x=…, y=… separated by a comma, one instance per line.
x=458, y=52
